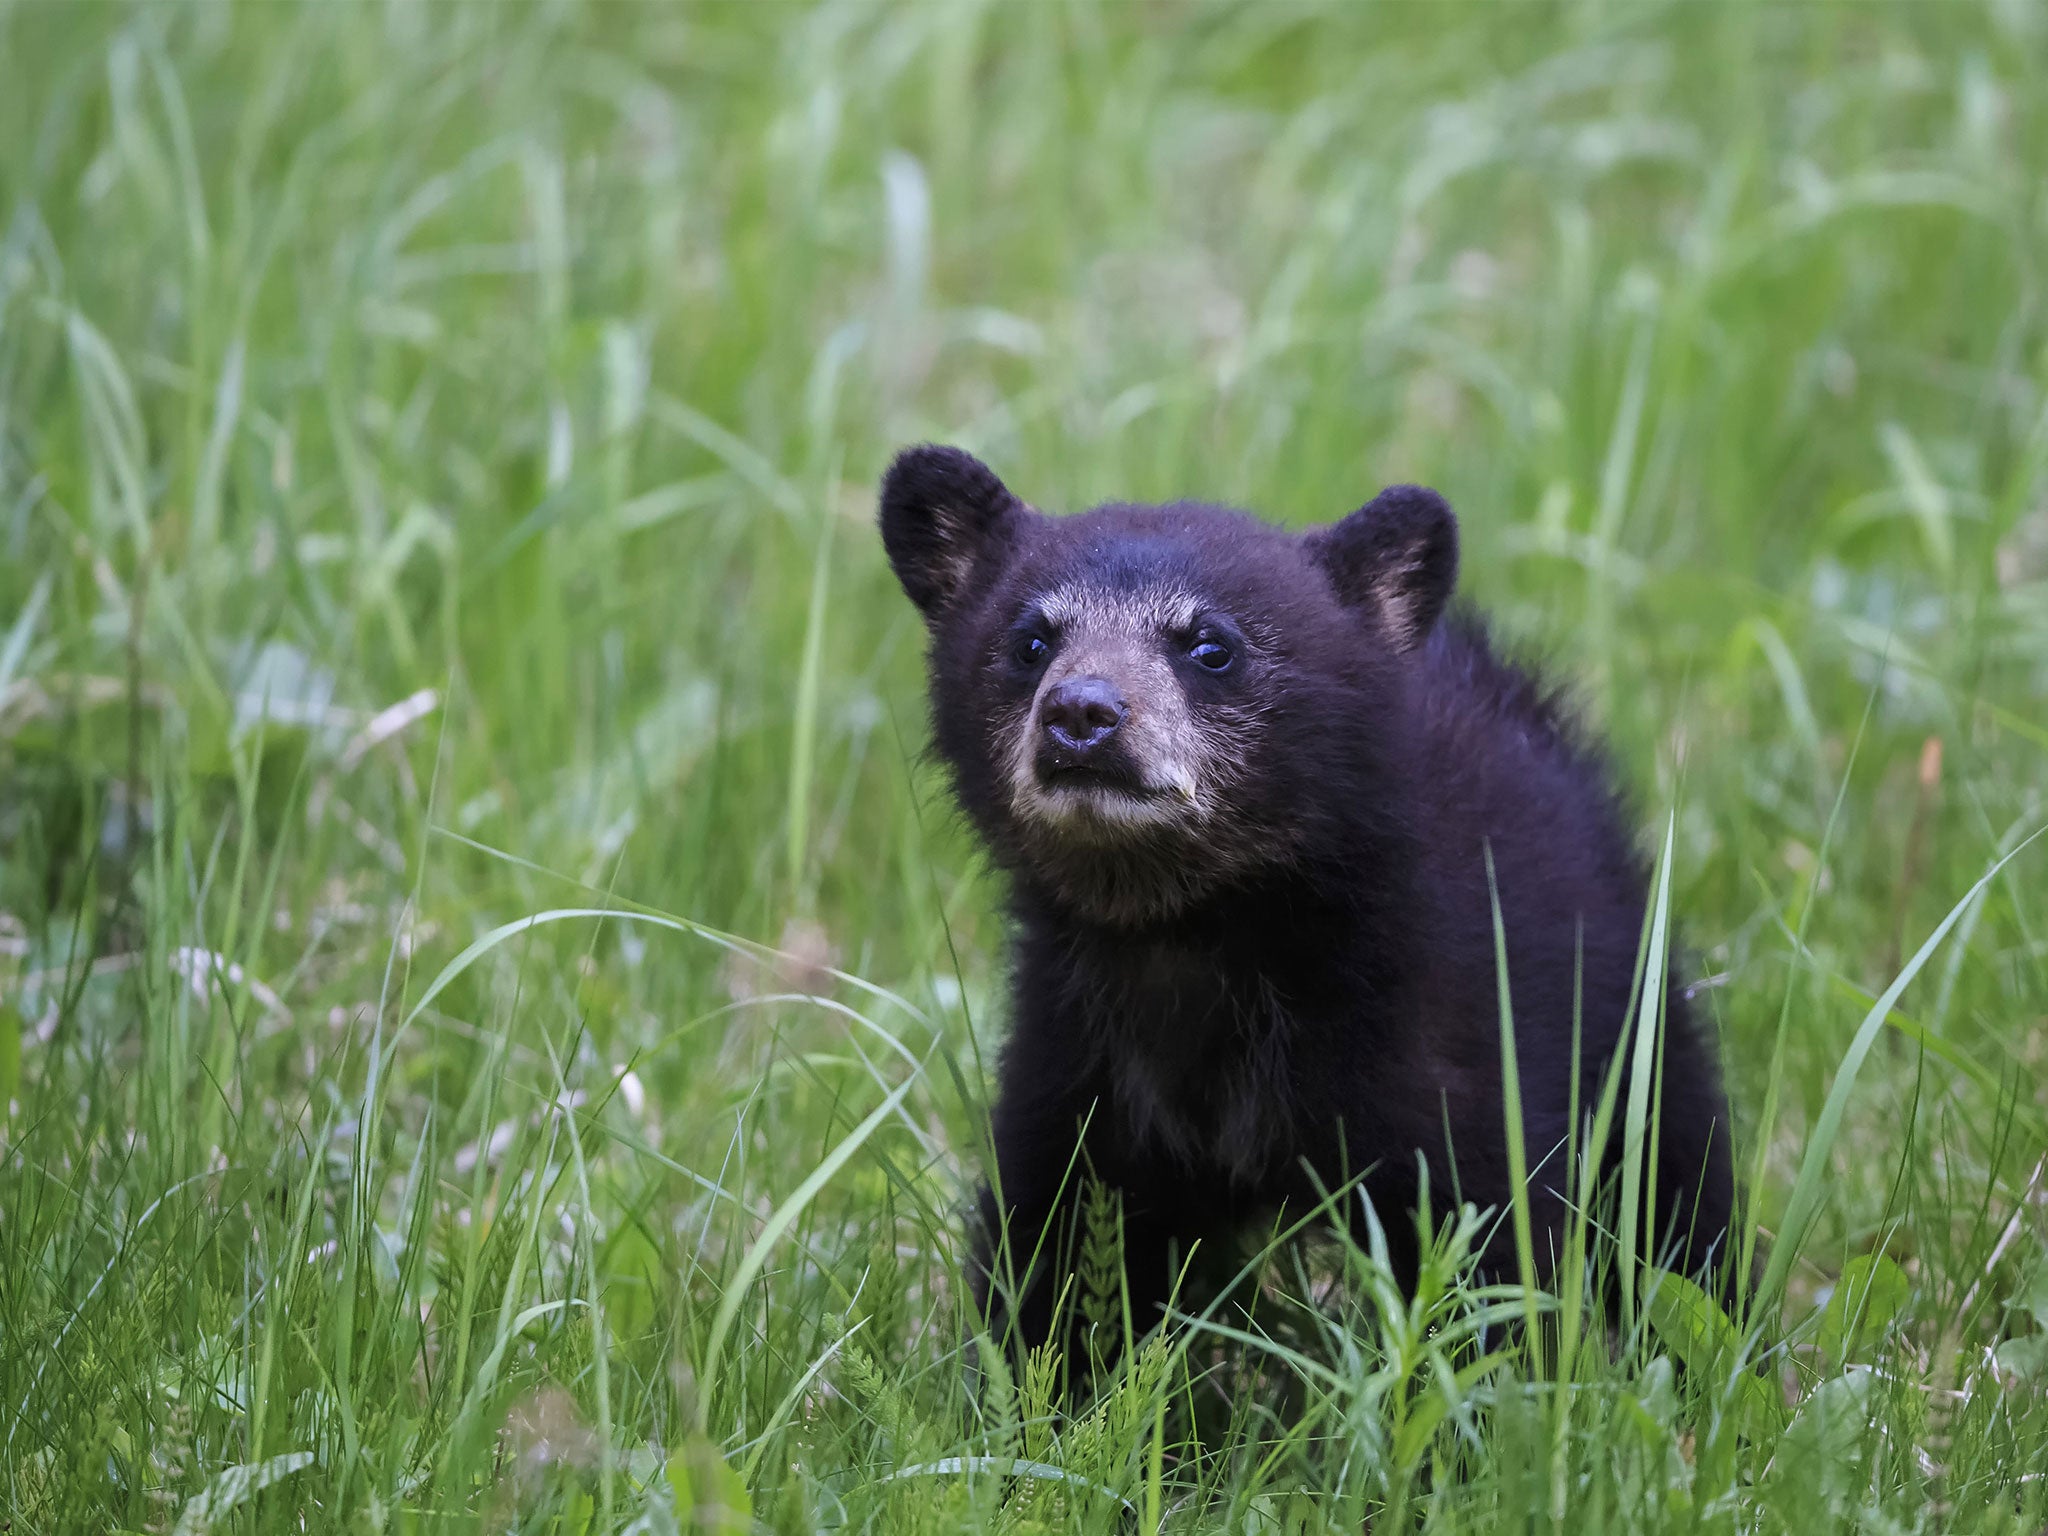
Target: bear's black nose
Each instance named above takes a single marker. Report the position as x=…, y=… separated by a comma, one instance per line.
x=1081, y=713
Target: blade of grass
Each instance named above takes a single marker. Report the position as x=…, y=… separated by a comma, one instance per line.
x=804, y=725
x=1774, y=1077
x=1638, y=1204
x=779, y=1222
x=1511, y=1104
x=1806, y=1187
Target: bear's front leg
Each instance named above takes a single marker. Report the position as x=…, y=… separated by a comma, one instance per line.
x=1071, y=1269
x=1063, y=1243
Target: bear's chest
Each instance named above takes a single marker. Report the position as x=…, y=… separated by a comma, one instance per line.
x=1197, y=1063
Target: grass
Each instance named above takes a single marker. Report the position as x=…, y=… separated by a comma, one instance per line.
x=493, y=1012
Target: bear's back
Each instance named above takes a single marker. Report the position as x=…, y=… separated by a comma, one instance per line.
x=1505, y=770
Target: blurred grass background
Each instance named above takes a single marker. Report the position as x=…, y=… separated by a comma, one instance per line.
x=437, y=448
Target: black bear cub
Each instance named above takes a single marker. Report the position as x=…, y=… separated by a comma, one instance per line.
x=1244, y=784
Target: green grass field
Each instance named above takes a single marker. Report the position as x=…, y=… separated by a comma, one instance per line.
x=494, y=1009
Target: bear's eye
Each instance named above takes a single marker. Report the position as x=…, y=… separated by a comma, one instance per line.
x=1032, y=651
x=1211, y=654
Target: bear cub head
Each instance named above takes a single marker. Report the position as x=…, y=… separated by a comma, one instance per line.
x=1146, y=706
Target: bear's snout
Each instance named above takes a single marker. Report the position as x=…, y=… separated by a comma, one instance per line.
x=1080, y=715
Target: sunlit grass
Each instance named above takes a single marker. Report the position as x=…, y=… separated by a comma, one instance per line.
x=494, y=1012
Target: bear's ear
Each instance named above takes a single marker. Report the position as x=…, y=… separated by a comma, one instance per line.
x=941, y=509
x=1397, y=553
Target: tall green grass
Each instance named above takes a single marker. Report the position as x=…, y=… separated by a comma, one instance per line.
x=494, y=1014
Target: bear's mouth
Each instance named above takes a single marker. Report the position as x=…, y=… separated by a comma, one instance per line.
x=1096, y=779
x=1113, y=803
x=1101, y=797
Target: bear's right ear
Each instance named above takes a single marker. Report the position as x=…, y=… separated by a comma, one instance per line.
x=941, y=509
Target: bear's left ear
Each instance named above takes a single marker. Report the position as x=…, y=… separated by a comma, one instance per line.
x=1397, y=553
x=941, y=510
